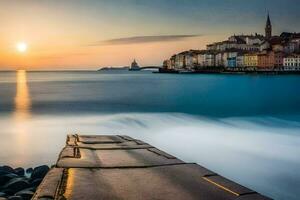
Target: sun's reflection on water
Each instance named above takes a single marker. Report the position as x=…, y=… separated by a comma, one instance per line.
x=22, y=98
x=21, y=118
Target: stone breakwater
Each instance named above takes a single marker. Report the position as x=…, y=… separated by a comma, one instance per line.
x=120, y=167
x=20, y=183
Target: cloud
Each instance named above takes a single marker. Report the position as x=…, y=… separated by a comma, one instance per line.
x=143, y=39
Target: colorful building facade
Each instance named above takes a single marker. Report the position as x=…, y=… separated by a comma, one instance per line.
x=206, y=59
x=231, y=62
x=251, y=60
x=292, y=61
x=242, y=51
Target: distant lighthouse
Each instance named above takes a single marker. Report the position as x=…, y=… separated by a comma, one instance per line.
x=134, y=66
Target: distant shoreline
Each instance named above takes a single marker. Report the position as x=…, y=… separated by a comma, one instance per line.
x=232, y=71
x=165, y=71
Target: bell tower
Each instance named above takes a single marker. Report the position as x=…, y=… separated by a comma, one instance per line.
x=268, y=29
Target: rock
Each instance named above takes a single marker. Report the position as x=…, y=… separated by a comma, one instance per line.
x=40, y=172
x=2, y=194
x=32, y=189
x=36, y=182
x=3, y=172
x=16, y=184
x=7, y=169
x=29, y=170
x=5, y=178
x=20, y=171
x=25, y=194
x=3, y=198
x=15, y=198
x=7, y=192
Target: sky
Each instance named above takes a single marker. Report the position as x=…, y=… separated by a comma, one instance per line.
x=89, y=34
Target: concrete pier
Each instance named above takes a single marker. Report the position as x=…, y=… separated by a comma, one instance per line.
x=120, y=167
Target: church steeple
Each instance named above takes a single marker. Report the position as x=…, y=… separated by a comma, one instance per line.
x=268, y=28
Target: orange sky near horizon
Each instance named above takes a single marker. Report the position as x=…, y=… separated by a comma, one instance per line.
x=47, y=56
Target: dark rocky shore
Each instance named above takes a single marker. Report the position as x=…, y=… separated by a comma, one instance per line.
x=20, y=183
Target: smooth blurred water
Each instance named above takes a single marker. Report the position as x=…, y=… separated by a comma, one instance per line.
x=245, y=127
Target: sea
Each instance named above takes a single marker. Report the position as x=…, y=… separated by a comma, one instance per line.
x=244, y=127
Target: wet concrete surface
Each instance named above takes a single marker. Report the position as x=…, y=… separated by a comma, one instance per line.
x=120, y=167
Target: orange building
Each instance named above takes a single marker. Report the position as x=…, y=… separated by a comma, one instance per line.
x=263, y=60
x=270, y=59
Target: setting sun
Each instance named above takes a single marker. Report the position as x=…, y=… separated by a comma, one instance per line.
x=22, y=47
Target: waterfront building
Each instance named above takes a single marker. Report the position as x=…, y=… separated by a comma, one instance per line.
x=219, y=59
x=234, y=58
x=178, y=64
x=180, y=60
x=172, y=61
x=231, y=54
x=263, y=60
x=206, y=59
x=270, y=59
x=167, y=64
x=240, y=60
x=231, y=62
x=191, y=59
x=250, y=60
x=292, y=61
x=276, y=59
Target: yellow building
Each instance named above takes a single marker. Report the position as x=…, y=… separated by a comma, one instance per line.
x=251, y=60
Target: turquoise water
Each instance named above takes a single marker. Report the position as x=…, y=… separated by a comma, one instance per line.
x=245, y=127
